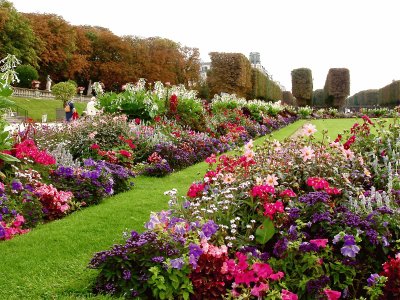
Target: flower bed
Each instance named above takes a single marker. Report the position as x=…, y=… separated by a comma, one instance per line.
x=300, y=219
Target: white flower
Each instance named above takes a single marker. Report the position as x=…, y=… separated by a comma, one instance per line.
x=251, y=237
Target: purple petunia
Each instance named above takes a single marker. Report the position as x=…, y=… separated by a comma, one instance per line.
x=177, y=263
x=16, y=186
x=372, y=279
x=209, y=228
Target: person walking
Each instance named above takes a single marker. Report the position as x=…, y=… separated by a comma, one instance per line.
x=69, y=110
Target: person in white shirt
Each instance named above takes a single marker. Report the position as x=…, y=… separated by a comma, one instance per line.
x=91, y=109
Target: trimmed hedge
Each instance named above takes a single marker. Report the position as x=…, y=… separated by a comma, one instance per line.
x=337, y=86
x=263, y=87
x=364, y=98
x=319, y=97
x=302, y=86
x=287, y=98
x=389, y=95
x=230, y=73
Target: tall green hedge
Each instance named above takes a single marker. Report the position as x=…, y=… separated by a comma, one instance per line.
x=337, y=87
x=319, y=97
x=302, y=86
x=389, y=95
x=287, y=98
x=263, y=87
x=364, y=98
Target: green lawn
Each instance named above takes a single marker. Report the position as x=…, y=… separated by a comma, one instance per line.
x=51, y=261
x=38, y=107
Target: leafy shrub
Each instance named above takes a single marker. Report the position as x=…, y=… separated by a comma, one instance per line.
x=64, y=91
x=26, y=73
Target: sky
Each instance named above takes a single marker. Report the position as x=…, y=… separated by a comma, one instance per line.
x=361, y=35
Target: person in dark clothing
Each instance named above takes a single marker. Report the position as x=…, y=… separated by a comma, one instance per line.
x=69, y=110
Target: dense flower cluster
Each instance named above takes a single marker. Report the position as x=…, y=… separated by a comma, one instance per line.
x=285, y=223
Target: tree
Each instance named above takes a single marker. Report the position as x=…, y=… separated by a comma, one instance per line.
x=26, y=73
x=16, y=35
x=56, y=42
x=64, y=91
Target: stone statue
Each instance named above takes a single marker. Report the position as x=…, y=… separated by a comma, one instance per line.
x=48, y=83
x=89, y=89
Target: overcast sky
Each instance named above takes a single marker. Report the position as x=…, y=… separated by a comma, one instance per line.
x=361, y=35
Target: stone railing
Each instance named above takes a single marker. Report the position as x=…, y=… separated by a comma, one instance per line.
x=42, y=94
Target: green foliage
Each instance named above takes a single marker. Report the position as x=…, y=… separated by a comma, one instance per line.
x=389, y=95
x=337, y=86
x=135, y=102
x=264, y=88
x=26, y=73
x=170, y=283
x=191, y=113
x=16, y=35
x=265, y=231
x=302, y=86
x=72, y=82
x=64, y=91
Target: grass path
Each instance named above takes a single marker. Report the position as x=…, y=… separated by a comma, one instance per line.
x=51, y=261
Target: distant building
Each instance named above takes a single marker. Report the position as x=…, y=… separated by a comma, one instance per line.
x=204, y=68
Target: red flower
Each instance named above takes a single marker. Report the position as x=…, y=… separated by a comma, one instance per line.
x=125, y=153
x=157, y=119
x=195, y=190
x=94, y=147
x=137, y=121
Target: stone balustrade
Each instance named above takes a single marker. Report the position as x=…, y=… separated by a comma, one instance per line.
x=42, y=94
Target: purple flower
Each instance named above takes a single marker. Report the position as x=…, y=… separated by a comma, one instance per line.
x=126, y=275
x=350, y=250
x=16, y=186
x=186, y=204
x=209, y=228
x=157, y=259
x=349, y=240
x=195, y=250
x=280, y=247
x=314, y=197
x=308, y=247
x=177, y=263
x=2, y=232
x=372, y=279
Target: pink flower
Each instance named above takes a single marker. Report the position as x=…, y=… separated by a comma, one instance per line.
x=262, y=270
x=286, y=295
x=211, y=159
x=319, y=242
x=272, y=180
x=246, y=277
x=307, y=153
x=260, y=289
x=195, y=190
x=332, y=295
x=287, y=193
x=309, y=129
x=277, y=276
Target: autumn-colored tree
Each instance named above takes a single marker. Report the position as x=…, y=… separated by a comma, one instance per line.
x=230, y=73
x=16, y=35
x=109, y=58
x=56, y=41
